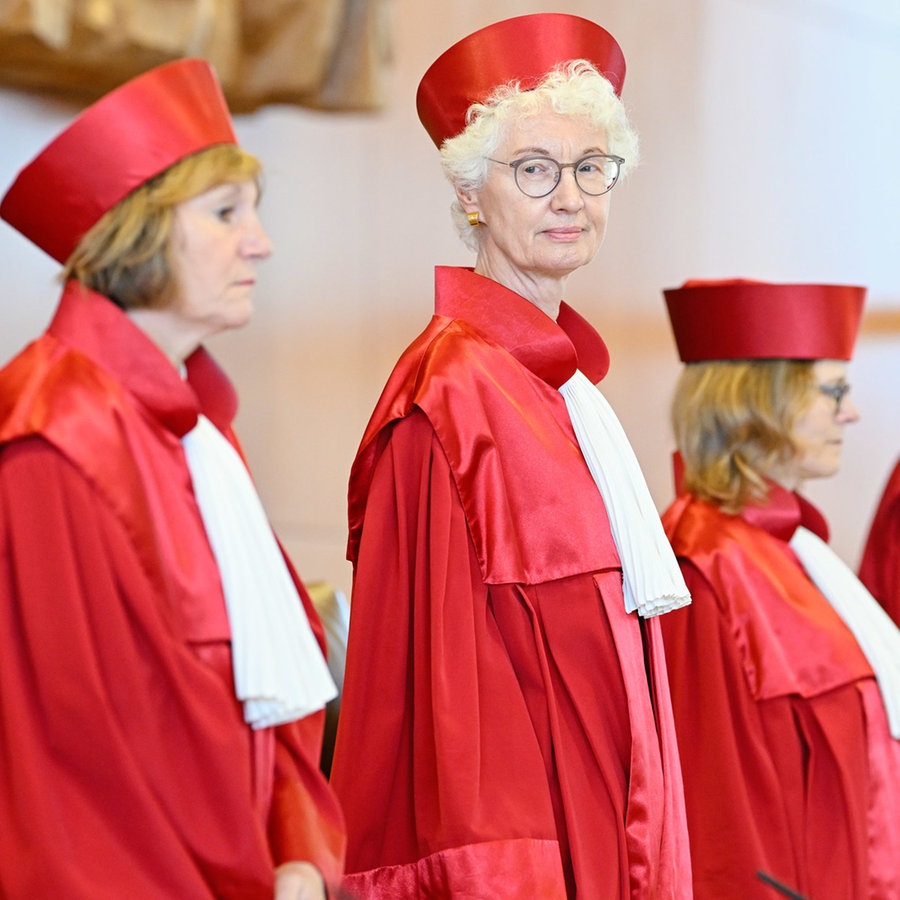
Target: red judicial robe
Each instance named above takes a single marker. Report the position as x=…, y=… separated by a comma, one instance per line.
x=879, y=570
x=788, y=764
x=126, y=769
x=505, y=727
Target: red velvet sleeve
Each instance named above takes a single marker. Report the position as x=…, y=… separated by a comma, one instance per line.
x=125, y=767
x=763, y=780
x=305, y=821
x=437, y=800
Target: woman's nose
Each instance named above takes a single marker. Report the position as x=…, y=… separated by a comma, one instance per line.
x=849, y=411
x=567, y=194
x=257, y=242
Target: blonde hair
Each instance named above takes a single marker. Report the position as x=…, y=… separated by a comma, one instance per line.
x=573, y=89
x=734, y=424
x=125, y=255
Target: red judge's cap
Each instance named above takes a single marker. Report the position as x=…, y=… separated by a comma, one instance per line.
x=742, y=319
x=522, y=49
x=117, y=144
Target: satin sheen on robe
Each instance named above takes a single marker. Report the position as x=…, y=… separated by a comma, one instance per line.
x=788, y=763
x=126, y=768
x=879, y=570
x=498, y=735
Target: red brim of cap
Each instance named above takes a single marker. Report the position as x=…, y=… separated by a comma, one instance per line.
x=522, y=49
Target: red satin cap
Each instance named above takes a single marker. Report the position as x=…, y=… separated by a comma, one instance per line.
x=522, y=49
x=742, y=319
x=114, y=146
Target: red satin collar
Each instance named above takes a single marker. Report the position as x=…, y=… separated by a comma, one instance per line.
x=780, y=515
x=783, y=512
x=92, y=324
x=552, y=350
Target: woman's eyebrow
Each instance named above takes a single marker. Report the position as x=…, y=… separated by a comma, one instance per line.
x=542, y=151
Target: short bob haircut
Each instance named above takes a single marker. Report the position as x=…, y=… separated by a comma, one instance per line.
x=573, y=89
x=125, y=255
x=734, y=424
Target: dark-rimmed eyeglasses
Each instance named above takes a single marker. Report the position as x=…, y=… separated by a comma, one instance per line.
x=837, y=392
x=538, y=176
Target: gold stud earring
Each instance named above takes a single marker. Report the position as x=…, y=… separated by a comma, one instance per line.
x=473, y=218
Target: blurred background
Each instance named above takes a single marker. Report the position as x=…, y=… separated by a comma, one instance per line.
x=771, y=145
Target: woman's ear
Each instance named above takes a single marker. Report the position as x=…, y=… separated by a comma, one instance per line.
x=468, y=200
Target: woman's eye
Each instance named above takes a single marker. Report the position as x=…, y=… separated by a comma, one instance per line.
x=225, y=213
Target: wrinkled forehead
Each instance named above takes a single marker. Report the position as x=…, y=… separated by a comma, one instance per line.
x=550, y=133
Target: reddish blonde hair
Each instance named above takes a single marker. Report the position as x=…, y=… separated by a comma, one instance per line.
x=734, y=423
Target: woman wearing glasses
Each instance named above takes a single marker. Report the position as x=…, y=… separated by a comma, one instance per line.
x=506, y=729
x=784, y=671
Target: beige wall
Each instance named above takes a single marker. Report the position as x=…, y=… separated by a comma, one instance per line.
x=770, y=150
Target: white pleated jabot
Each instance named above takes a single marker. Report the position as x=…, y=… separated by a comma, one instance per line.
x=653, y=582
x=279, y=671
x=874, y=630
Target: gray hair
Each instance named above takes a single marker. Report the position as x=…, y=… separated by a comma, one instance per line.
x=574, y=89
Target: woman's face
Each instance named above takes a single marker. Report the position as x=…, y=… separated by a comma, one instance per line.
x=217, y=242
x=526, y=239
x=819, y=431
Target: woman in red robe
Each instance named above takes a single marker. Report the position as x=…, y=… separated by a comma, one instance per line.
x=879, y=570
x=161, y=670
x=505, y=728
x=784, y=671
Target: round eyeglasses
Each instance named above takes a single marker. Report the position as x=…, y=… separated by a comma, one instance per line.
x=537, y=176
x=837, y=392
